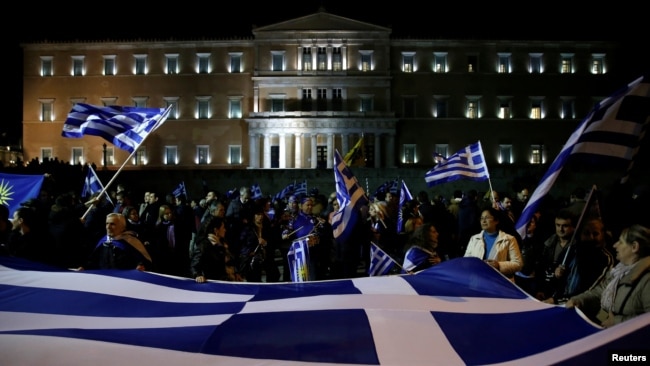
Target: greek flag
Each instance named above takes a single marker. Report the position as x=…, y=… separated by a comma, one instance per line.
x=455, y=313
x=300, y=188
x=125, y=127
x=613, y=129
x=93, y=185
x=468, y=163
x=284, y=193
x=18, y=188
x=380, y=262
x=256, y=192
x=404, y=196
x=414, y=257
x=298, y=258
x=351, y=198
x=180, y=190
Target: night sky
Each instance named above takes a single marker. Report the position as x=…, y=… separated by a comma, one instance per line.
x=456, y=19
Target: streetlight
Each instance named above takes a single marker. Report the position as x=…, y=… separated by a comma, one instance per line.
x=104, y=152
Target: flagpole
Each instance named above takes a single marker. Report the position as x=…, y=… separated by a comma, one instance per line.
x=162, y=119
x=577, y=227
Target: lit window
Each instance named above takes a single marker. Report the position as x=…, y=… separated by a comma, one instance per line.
x=46, y=66
x=505, y=108
x=365, y=103
x=277, y=59
x=46, y=153
x=171, y=63
x=173, y=102
x=366, y=60
x=109, y=101
x=171, y=155
x=598, y=63
x=472, y=109
x=536, y=109
x=536, y=65
x=505, y=154
x=234, y=154
x=442, y=150
x=203, y=63
x=78, y=65
x=47, y=110
x=337, y=59
x=203, y=154
x=536, y=154
x=440, y=62
x=504, y=63
x=235, y=62
x=472, y=63
x=110, y=155
x=568, y=108
x=567, y=63
x=234, y=107
x=408, y=61
x=409, y=154
x=109, y=65
x=140, y=157
x=140, y=102
x=77, y=156
x=203, y=107
x=322, y=58
x=306, y=58
x=140, y=64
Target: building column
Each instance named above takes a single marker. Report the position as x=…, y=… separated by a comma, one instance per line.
x=299, y=58
x=330, y=151
x=345, y=144
x=253, y=155
x=378, y=150
x=390, y=150
x=267, y=151
x=297, y=155
x=283, y=151
x=314, y=152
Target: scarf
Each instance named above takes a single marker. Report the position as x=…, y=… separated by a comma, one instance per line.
x=609, y=294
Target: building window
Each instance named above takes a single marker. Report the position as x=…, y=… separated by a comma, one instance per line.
x=306, y=93
x=536, y=109
x=203, y=107
x=234, y=107
x=409, y=107
x=171, y=64
x=505, y=154
x=505, y=107
x=568, y=108
x=46, y=66
x=365, y=103
x=337, y=59
x=47, y=110
x=78, y=65
x=109, y=65
x=173, y=102
x=442, y=150
x=203, y=66
x=322, y=59
x=337, y=99
x=140, y=157
x=171, y=155
x=321, y=99
x=366, y=61
x=77, y=156
x=409, y=154
x=46, y=153
x=408, y=61
x=109, y=101
x=504, y=63
x=234, y=154
x=203, y=154
x=306, y=58
x=536, y=65
x=566, y=66
x=598, y=63
x=140, y=64
x=472, y=109
x=140, y=102
x=235, y=62
x=472, y=63
x=277, y=60
x=277, y=103
x=306, y=99
x=537, y=154
x=441, y=107
x=440, y=62
x=110, y=156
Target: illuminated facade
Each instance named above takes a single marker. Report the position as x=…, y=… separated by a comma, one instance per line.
x=296, y=91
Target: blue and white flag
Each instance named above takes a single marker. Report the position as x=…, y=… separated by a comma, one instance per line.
x=404, y=196
x=298, y=258
x=18, y=188
x=414, y=257
x=93, y=185
x=256, y=192
x=455, y=313
x=388, y=186
x=300, y=188
x=125, y=127
x=468, y=163
x=284, y=193
x=180, y=190
x=380, y=262
x=612, y=130
x=351, y=198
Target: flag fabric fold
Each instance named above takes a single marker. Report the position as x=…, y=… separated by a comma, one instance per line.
x=612, y=130
x=468, y=163
x=93, y=185
x=284, y=193
x=298, y=259
x=180, y=190
x=351, y=198
x=413, y=257
x=356, y=156
x=125, y=127
x=380, y=262
x=404, y=196
x=18, y=188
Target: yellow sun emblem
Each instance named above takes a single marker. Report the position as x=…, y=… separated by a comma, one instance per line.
x=6, y=191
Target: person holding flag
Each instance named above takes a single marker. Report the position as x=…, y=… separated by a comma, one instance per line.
x=423, y=250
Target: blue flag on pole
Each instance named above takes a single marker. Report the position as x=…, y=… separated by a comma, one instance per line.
x=284, y=193
x=17, y=188
x=468, y=163
x=300, y=188
x=612, y=130
x=380, y=262
x=298, y=258
x=256, y=191
x=404, y=196
x=125, y=127
x=93, y=185
x=180, y=190
x=414, y=257
x=351, y=197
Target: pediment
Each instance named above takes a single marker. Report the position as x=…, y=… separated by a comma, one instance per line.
x=322, y=21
